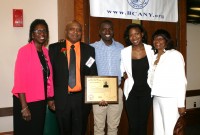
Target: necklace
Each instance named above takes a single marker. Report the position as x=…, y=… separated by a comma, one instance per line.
x=46, y=70
x=44, y=64
x=158, y=57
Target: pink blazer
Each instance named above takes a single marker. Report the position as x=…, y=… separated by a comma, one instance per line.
x=28, y=74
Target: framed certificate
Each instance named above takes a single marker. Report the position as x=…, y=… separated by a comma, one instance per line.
x=98, y=88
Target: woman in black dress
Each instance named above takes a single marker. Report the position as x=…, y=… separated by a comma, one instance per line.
x=135, y=62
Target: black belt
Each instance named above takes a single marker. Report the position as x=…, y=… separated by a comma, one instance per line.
x=72, y=93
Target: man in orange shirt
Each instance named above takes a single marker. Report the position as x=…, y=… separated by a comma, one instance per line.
x=71, y=112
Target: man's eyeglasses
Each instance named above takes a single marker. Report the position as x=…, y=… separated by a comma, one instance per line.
x=40, y=31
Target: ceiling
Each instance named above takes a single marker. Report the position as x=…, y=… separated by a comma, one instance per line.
x=193, y=16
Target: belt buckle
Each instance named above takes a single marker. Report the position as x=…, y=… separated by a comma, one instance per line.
x=69, y=93
x=75, y=92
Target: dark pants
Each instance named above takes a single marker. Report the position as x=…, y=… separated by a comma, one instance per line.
x=73, y=119
x=86, y=111
x=138, y=108
x=33, y=127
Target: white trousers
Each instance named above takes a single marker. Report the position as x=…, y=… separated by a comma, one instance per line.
x=112, y=113
x=165, y=115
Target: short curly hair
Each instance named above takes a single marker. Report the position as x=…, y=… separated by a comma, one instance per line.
x=165, y=34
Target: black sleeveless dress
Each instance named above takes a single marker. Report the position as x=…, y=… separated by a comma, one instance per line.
x=139, y=100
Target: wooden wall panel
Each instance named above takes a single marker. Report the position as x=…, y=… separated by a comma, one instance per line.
x=65, y=14
x=81, y=14
x=8, y=111
x=181, y=30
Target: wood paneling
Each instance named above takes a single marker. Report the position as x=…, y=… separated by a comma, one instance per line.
x=7, y=111
x=6, y=133
x=191, y=93
x=181, y=30
x=81, y=15
x=65, y=14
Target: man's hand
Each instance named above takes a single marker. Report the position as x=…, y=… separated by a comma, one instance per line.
x=103, y=103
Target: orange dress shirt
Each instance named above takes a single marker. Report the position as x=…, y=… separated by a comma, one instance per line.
x=77, y=87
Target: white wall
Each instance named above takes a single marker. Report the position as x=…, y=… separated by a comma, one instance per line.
x=193, y=63
x=193, y=55
x=12, y=38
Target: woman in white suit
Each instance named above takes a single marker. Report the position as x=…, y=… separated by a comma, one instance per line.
x=135, y=62
x=168, y=83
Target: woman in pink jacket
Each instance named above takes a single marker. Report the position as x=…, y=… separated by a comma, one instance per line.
x=33, y=85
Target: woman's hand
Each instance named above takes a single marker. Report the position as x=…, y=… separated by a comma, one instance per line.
x=125, y=76
x=182, y=111
x=51, y=105
x=26, y=114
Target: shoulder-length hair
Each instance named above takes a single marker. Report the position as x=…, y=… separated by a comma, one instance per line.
x=34, y=24
x=136, y=26
x=165, y=34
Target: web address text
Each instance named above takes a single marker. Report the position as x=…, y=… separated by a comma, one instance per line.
x=136, y=14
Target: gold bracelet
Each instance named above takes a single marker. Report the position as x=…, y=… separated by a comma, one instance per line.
x=24, y=109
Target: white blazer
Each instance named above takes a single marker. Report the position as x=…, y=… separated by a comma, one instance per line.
x=126, y=66
x=169, y=78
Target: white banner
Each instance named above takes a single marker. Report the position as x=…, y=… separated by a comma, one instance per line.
x=153, y=10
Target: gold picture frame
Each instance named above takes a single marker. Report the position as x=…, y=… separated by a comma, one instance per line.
x=98, y=88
